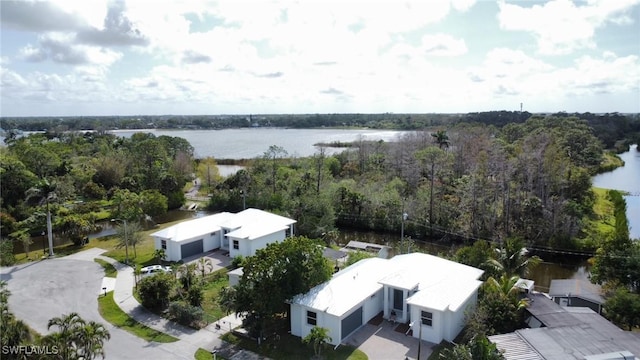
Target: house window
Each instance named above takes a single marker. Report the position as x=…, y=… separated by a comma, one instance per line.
x=426, y=318
x=163, y=244
x=312, y=318
x=236, y=244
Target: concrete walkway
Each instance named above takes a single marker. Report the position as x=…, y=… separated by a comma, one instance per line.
x=207, y=338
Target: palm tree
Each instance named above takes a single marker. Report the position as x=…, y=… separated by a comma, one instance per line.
x=129, y=235
x=441, y=138
x=91, y=340
x=506, y=287
x=226, y=299
x=68, y=335
x=512, y=259
x=44, y=192
x=12, y=331
x=317, y=337
x=205, y=264
x=187, y=275
x=160, y=255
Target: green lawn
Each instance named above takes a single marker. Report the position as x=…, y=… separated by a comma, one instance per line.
x=602, y=222
x=109, y=270
x=203, y=354
x=214, y=282
x=143, y=254
x=290, y=347
x=110, y=311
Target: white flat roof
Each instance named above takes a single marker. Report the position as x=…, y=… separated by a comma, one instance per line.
x=193, y=228
x=253, y=223
x=441, y=283
x=247, y=224
x=346, y=288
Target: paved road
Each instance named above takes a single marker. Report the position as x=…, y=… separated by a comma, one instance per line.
x=49, y=288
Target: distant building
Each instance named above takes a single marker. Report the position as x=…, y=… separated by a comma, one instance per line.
x=242, y=234
x=381, y=251
x=577, y=293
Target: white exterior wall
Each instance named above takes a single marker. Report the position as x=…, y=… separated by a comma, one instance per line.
x=373, y=306
x=296, y=320
x=249, y=247
x=262, y=242
x=457, y=318
x=172, y=251
x=210, y=242
x=299, y=326
x=332, y=323
x=433, y=333
x=446, y=324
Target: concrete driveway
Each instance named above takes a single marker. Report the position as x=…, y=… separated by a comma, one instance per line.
x=217, y=258
x=383, y=342
x=55, y=287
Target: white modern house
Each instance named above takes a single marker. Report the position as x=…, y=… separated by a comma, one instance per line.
x=429, y=293
x=241, y=233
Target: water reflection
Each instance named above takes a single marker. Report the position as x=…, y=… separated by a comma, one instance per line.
x=542, y=274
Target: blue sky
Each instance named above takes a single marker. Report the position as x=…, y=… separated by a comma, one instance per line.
x=101, y=57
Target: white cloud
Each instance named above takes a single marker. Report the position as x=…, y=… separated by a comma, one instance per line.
x=561, y=26
x=443, y=45
x=60, y=48
x=51, y=15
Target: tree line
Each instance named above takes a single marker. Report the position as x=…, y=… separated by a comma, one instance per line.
x=615, y=130
x=530, y=180
x=77, y=179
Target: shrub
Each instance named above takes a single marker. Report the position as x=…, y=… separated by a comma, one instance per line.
x=6, y=253
x=237, y=261
x=154, y=290
x=186, y=314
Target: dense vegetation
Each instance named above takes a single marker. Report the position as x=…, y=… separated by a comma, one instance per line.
x=81, y=178
x=529, y=180
x=614, y=130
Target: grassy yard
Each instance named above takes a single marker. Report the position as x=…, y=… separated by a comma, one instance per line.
x=290, y=347
x=109, y=270
x=214, y=282
x=143, y=254
x=203, y=354
x=110, y=311
x=602, y=222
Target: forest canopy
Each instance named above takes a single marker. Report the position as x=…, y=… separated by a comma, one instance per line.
x=468, y=180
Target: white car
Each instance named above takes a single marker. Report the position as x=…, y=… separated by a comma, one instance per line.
x=154, y=269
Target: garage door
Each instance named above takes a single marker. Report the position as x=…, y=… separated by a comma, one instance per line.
x=351, y=322
x=192, y=248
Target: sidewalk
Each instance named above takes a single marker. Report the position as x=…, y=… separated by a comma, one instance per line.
x=207, y=338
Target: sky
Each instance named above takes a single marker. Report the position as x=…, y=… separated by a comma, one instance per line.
x=189, y=57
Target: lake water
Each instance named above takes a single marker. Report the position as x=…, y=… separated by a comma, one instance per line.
x=248, y=143
x=626, y=178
